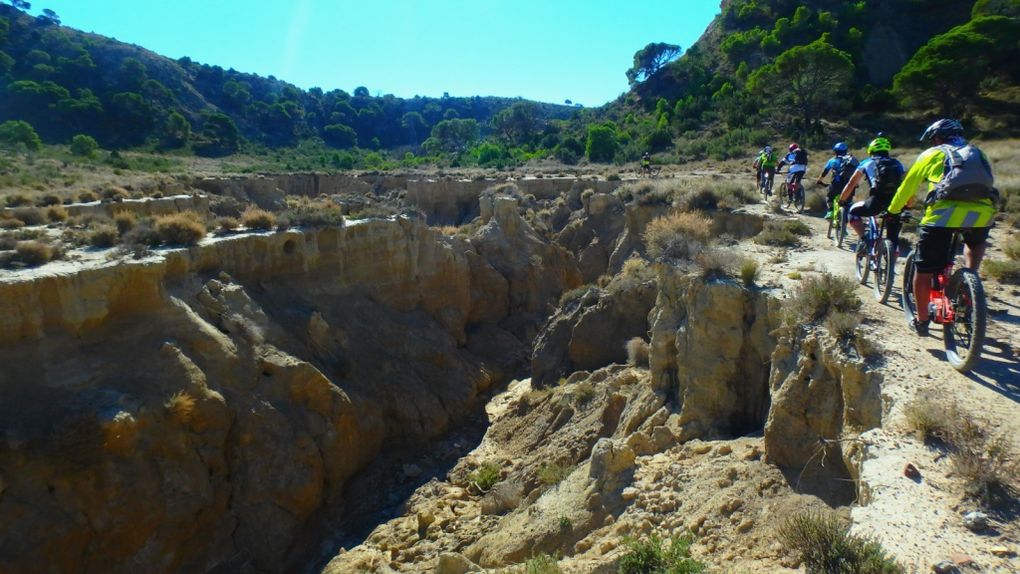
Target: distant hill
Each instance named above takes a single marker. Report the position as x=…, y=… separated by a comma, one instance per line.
x=806, y=67
x=65, y=82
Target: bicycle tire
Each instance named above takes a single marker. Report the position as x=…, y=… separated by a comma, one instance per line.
x=784, y=197
x=967, y=295
x=798, y=199
x=862, y=265
x=907, y=300
x=841, y=228
x=885, y=270
x=832, y=229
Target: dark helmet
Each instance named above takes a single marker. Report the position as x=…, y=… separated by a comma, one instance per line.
x=944, y=128
x=840, y=148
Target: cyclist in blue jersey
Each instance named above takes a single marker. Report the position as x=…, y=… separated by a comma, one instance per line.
x=884, y=175
x=842, y=165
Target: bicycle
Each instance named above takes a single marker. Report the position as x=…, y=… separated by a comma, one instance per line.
x=651, y=171
x=791, y=194
x=837, y=223
x=878, y=255
x=957, y=303
x=765, y=185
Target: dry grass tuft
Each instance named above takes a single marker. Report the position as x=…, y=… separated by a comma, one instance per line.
x=637, y=352
x=103, y=236
x=88, y=197
x=29, y=215
x=677, y=237
x=257, y=218
x=115, y=194
x=824, y=544
x=749, y=271
x=33, y=253
x=185, y=228
x=553, y=473
x=228, y=224
x=181, y=405
x=56, y=214
x=819, y=296
x=125, y=221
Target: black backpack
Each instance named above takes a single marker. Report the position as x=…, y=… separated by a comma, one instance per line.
x=888, y=176
x=847, y=165
x=800, y=157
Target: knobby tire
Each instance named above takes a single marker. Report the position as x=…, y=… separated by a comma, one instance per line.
x=965, y=337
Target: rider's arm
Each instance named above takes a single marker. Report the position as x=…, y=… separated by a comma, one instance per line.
x=828, y=166
x=927, y=167
x=851, y=185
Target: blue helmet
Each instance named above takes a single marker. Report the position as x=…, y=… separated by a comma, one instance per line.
x=840, y=148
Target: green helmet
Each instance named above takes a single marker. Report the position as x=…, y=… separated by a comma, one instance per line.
x=879, y=144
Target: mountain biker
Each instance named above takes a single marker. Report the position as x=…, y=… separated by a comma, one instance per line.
x=797, y=159
x=646, y=162
x=842, y=165
x=960, y=196
x=884, y=175
x=764, y=164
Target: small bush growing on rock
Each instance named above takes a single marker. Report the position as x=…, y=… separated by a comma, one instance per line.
x=553, y=473
x=539, y=564
x=17, y=200
x=655, y=556
x=717, y=263
x=824, y=544
x=818, y=296
x=50, y=199
x=30, y=215
x=103, y=236
x=782, y=233
x=677, y=237
x=88, y=197
x=125, y=221
x=11, y=223
x=227, y=224
x=183, y=228
x=258, y=218
x=843, y=325
x=56, y=214
x=576, y=294
x=749, y=271
x=931, y=418
x=313, y=213
x=637, y=352
x=583, y=392
x=139, y=240
x=181, y=405
x=33, y=253
x=485, y=476
x=115, y=194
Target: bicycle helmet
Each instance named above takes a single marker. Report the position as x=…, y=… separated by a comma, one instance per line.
x=794, y=146
x=944, y=128
x=879, y=145
x=840, y=148
x=768, y=149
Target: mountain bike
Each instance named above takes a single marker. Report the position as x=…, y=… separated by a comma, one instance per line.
x=957, y=303
x=878, y=255
x=837, y=223
x=791, y=194
x=651, y=170
x=765, y=184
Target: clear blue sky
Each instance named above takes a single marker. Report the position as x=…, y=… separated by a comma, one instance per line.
x=546, y=50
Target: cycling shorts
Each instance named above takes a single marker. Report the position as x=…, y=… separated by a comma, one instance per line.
x=932, y=254
x=794, y=176
x=875, y=205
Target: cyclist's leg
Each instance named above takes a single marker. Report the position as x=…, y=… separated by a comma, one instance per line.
x=857, y=212
x=931, y=256
x=974, y=242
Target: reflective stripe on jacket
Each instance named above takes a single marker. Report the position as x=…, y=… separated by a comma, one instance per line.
x=929, y=167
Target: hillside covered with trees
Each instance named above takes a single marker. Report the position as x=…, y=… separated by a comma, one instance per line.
x=64, y=83
x=811, y=69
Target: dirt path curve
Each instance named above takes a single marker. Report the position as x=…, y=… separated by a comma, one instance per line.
x=920, y=521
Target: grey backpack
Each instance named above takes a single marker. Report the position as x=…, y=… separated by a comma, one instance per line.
x=966, y=177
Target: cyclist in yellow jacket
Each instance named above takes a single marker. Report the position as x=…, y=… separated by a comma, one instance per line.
x=961, y=197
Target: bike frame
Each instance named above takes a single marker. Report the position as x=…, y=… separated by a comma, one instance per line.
x=944, y=312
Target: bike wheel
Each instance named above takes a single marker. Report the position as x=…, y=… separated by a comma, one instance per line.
x=964, y=337
x=862, y=265
x=784, y=196
x=907, y=300
x=798, y=198
x=885, y=265
x=831, y=231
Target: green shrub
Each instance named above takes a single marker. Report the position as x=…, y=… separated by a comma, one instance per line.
x=654, y=556
x=313, y=213
x=33, y=253
x=50, y=199
x=20, y=132
x=88, y=197
x=29, y=215
x=485, y=476
x=83, y=145
x=258, y=218
x=17, y=200
x=540, y=564
x=782, y=233
x=824, y=544
x=103, y=236
x=185, y=228
x=818, y=296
